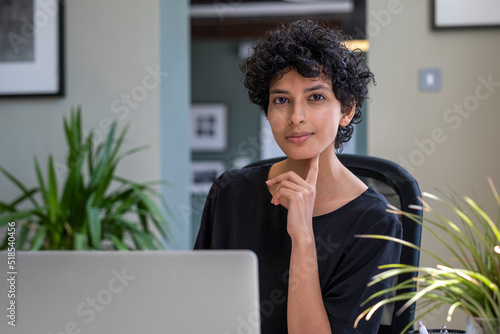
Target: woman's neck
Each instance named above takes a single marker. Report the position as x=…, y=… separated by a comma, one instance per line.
x=335, y=185
x=329, y=167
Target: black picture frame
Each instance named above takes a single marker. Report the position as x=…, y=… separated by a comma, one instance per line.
x=477, y=14
x=38, y=69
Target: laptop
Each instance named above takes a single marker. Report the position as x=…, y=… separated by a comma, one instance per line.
x=188, y=292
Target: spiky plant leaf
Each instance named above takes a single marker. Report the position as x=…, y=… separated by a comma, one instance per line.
x=472, y=287
x=88, y=206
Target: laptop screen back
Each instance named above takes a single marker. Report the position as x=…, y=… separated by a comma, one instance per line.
x=131, y=292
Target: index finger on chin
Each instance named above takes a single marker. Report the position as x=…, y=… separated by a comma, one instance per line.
x=312, y=174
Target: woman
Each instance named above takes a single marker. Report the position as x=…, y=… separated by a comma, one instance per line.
x=300, y=216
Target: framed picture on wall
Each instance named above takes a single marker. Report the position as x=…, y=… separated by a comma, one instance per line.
x=209, y=127
x=31, y=48
x=203, y=174
x=448, y=14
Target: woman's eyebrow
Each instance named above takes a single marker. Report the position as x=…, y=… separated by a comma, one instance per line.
x=279, y=91
x=310, y=89
x=317, y=87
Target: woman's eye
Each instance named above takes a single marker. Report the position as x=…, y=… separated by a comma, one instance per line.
x=317, y=97
x=280, y=100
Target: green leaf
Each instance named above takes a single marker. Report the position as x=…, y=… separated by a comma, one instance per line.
x=6, y=207
x=102, y=188
x=95, y=227
x=78, y=125
x=104, y=163
x=119, y=245
x=20, y=200
x=19, y=185
x=118, y=143
x=39, y=238
x=41, y=182
x=141, y=239
x=52, y=193
x=130, y=152
x=16, y=216
x=4, y=244
x=483, y=214
x=80, y=242
x=22, y=236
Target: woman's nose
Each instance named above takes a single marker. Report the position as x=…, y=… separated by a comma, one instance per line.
x=298, y=115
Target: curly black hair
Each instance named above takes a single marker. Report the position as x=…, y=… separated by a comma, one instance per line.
x=309, y=47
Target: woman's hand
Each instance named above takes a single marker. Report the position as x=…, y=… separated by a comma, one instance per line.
x=299, y=195
x=305, y=308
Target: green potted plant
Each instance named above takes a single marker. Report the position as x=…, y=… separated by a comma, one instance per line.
x=93, y=209
x=471, y=284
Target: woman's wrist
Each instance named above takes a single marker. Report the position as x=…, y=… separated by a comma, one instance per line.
x=303, y=240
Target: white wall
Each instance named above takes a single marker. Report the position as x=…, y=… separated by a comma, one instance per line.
x=401, y=120
x=109, y=46
x=117, y=54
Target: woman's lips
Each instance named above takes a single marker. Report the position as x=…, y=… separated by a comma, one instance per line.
x=299, y=137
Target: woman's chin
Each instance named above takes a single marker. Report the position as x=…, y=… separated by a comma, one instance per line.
x=306, y=154
x=300, y=156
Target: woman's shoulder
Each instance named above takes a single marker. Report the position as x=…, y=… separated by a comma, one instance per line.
x=243, y=177
x=370, y=206
x=374, y=197
x=377, y=209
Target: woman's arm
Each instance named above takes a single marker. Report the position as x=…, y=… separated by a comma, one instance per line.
x=306, y=312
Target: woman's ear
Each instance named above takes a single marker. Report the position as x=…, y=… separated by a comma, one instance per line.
x=348, y=115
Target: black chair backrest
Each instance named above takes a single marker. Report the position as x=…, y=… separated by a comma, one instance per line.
x=402, y=191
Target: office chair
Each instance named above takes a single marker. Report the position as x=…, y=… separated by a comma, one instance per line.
x=401, y=190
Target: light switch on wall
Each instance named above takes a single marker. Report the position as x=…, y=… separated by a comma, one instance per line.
x=430, y=79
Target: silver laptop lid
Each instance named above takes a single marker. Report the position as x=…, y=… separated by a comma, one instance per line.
x=130, y=292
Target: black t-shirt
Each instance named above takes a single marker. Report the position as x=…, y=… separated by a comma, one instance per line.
x=238, y=214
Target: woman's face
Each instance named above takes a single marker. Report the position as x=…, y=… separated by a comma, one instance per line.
x=304, y=115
